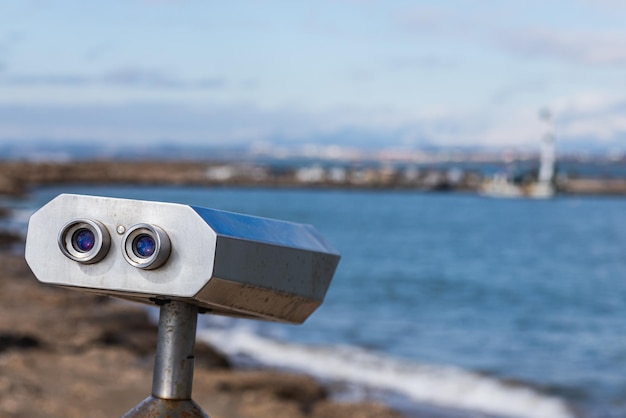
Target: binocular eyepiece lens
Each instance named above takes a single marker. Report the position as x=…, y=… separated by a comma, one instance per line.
x=146, y=246
x=87, y=241
x=84, y=240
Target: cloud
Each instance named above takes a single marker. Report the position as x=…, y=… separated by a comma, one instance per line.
x=592, y=117
x=517, y=88
x=430, y=20
x=587, y=103
x=98, y=51
x=578, y=47
x=127, y=78
x=161, y=2
x=494, y=26
x=608, y=5
x=151, y=79
x=604, y=128
x=7, y=43
x=456, y=23
x=431, y=61
x=148, y=123
x=46, y=80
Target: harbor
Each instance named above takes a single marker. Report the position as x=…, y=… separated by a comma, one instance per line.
x=572, y=177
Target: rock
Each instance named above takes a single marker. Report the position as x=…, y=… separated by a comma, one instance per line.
x=292, y=387
x=10, y=185
x=7, y=239
x=70, y=354
x=208, y=357
x=361, y=410
x=10, y=341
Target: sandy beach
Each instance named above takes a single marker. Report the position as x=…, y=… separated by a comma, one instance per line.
x=69, y=354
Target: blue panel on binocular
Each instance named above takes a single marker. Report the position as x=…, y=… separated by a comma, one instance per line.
x=224, y=262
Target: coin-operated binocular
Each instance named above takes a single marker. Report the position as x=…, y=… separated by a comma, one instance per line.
x=187, y=260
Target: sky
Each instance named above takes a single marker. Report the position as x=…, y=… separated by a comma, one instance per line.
x=393, y=72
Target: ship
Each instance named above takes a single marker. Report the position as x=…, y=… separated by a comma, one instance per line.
x=503, y=185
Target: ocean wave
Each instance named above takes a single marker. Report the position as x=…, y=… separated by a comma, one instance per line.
x=18, y=219
x=445, y=386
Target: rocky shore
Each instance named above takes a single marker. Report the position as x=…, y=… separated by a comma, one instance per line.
x=66, y=354
x=69, y=354
x=17, y=177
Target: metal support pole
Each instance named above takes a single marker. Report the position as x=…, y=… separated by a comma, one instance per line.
x=173, y=366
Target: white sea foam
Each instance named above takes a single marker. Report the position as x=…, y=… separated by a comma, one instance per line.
x=440, y=385
x=21, y=216
x=18, y=220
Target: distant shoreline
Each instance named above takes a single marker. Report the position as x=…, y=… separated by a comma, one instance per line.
x=17, y=177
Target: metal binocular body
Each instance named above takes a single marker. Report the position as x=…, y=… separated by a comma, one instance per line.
x=223, y=262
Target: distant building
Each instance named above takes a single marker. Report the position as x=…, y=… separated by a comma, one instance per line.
x=411, y=174
x=313, y=174
x=337, y=175
x=221, y=173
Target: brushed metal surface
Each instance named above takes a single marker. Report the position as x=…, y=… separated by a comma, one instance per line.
x=187, y=269
x=223, y=262
x=174, y=360
x=152, y=407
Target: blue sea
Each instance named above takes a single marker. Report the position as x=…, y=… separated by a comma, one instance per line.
x=504, y=308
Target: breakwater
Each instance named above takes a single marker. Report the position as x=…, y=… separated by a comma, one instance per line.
x=17, y=177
